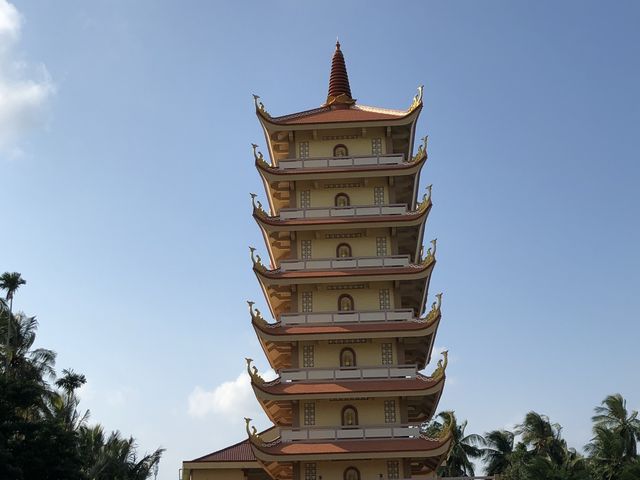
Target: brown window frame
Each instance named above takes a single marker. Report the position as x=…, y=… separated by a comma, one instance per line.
x=341, y=145
x=353, y=303
x=355, y=416
x=341, y=195
x=344, y=245
x=353, y=353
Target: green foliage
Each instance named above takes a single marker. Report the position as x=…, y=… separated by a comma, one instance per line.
x=43, y=433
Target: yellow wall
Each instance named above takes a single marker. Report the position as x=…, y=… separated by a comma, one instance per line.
x=356, y=146
x=368, y=354
x=324, y=195
x=222, y=474
x=369, y=469
x=325, y=300
x=362, y=246
x=370, y=412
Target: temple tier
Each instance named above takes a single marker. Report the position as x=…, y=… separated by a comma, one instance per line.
x=346, y=284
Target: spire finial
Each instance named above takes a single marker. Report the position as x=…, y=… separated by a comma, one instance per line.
x=339, y=89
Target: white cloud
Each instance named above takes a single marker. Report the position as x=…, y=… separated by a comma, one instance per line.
x=233, y=399
x=24, y=89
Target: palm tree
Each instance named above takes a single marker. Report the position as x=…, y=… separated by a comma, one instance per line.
x=538, y=432
x=612, y=414
x=463, y=447
x=498, y=451
x=114, y=457
x=36, y=364
x=70, y=381
x=10, y=282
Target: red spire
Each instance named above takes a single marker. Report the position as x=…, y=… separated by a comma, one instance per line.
x=339, y=89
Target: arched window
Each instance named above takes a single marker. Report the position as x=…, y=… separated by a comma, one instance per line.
x=349, y=416
x=342, y=200
x=343, y=250
x=345, y=303
x=340, y=151
x=347, y=357
x=351, y=473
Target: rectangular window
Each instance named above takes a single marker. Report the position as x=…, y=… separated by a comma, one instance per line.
x=305, y=247
x=303, y=150
x=308, y=356
x=389, y=411
x=305, y=198
x=378, y=195
x=387, y=354
x=307, y=302
x=309, y=413
x=393, y=470
x=310, y=471
x=384, y=298
x=376, y=146
x=381, y=246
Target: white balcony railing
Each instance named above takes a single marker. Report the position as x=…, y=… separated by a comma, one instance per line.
x=350, y=211
x=319, y=318
x=353, y=161
x=349, y=433
x=348, y=373
x=346, y=262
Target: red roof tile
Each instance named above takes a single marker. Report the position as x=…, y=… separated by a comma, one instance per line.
x=240, y=452
x=419, y=383
x=418, y=445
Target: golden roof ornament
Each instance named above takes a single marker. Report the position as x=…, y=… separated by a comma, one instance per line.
x=426, y=198
x=260, y=106
x=441, y=367
x=417, y=100
x=435, y=308
x=257, y=205
x=256, y=316
x=422, y=150
x=431, y=252
x=252, y=432
x=252, y=370
x=257, y=154
x=257, y=261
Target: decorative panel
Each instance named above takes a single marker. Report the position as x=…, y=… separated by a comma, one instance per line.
x=385, y=299
x=305, y=247
x=303, y=150
x=381, y=246
x=305, y=198
x=387, y=354
x=393, y=470
x=378, y=195
x=376, y=146
x=308, y=356
x=309, y=413
x=307, y=302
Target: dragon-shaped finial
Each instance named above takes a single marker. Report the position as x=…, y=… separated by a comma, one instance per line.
x=255, y=258
x=417, y=99
x=255, y=313
x=442, y=365
x=431, y=251
x=257, y=205
x=259, y=105
x=252, y=433
x=257, y=154
x=426, y=198
x=252, y=370
x=435, y=308
x=422, y=150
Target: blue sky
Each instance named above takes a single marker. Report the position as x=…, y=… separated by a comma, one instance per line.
x=126, y=167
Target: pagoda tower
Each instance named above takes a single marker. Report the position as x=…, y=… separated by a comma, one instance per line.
x=346, y=284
